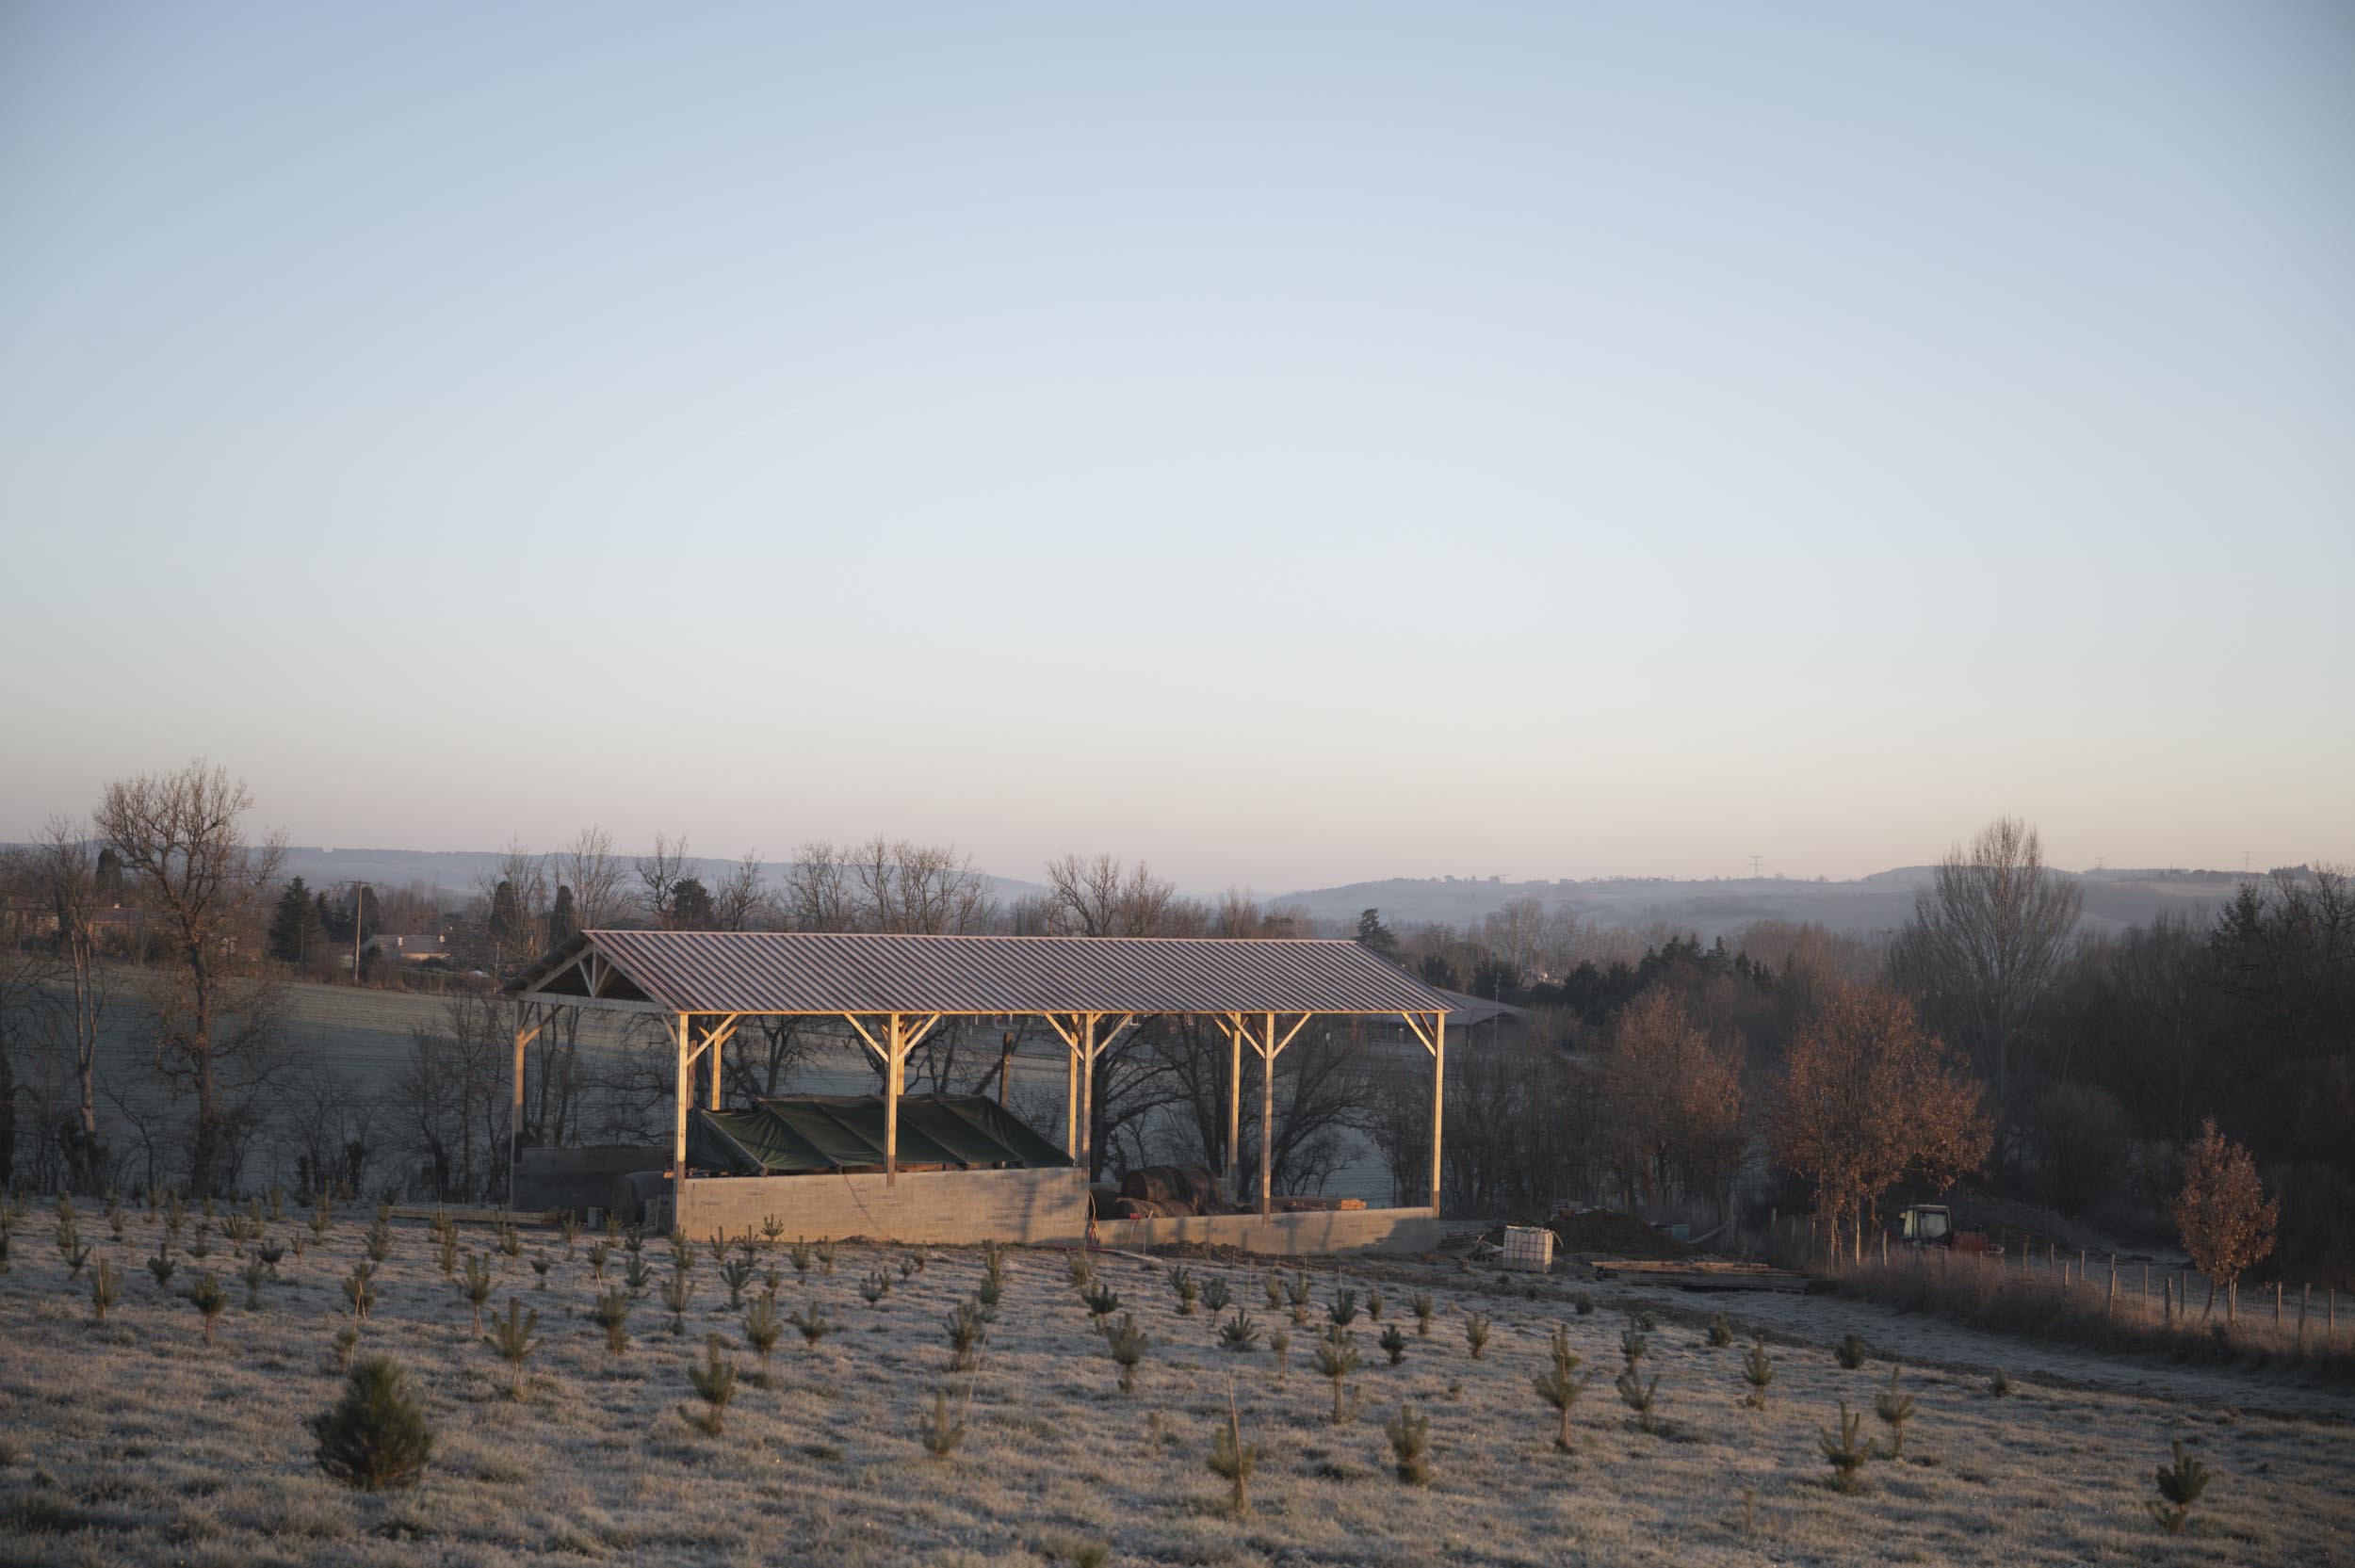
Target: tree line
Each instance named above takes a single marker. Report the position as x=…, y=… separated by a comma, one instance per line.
x=1990, y=1042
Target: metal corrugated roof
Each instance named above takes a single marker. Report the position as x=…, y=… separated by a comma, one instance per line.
x=794, y=972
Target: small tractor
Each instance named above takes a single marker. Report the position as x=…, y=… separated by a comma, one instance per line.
x=1933, y=1226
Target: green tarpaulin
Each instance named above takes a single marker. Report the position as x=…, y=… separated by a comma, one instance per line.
x=801, y=1134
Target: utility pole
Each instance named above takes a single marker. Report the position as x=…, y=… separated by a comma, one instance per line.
x=1754, y=868
x=359, y=909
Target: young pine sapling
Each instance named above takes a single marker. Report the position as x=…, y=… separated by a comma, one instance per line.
x=1232, y=1459
x=1337, y=1358
x=1409, y=1432
x=511, y=1338
x=1560, y=1385
x=208, y=1298
x=813, y=1322
x=376, y=1437
x=715, y=1385
x=1895, y=1408
x=1844, y=1455
x=1126, y=1343
x=1758, y=1371
x=2180, y=1485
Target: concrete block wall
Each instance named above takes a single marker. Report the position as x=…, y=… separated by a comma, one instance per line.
x=941, y=1208
x=1022, y=1207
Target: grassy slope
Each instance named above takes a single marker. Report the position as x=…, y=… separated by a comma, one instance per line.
x=135, y=1442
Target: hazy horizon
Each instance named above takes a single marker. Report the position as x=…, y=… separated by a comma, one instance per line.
x=307, y=859
x=1294, y=446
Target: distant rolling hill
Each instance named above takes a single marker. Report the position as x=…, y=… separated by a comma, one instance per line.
x=1880, y=902
x=464, y=871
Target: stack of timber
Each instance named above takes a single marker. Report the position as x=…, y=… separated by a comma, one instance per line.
x=1704, y=1274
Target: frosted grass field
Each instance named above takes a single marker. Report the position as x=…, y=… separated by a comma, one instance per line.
x=135, y=1442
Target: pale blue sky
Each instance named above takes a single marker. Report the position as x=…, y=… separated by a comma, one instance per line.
x=1292, y=444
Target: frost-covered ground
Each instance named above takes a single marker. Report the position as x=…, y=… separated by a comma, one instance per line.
x=132, y=1441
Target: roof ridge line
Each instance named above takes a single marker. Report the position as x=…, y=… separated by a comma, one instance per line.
x=967, y=936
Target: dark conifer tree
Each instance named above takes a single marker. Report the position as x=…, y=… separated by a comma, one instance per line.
x=295, y=929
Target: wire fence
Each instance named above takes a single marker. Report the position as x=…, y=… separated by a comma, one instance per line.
x=2037, y=1290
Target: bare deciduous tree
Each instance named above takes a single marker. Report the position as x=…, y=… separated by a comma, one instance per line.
x=327, y=1125
x=514, y=898
x=739, y=900
x=1100, y=898
x=1986, y=937
x=177, y=835
x=818, y=895
x=589, y=867
x=1672, y=1122
x=1520, y=1113
x=453, y=1097
x=64, y=878
x=25, y=972
x=658, y=878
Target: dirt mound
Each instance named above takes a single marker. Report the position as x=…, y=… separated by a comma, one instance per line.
x=1604, y=1230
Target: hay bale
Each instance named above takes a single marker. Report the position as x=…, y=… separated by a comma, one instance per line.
x=1175, y=1188
x=1204, y=1187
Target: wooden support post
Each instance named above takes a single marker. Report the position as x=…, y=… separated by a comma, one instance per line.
x=682, y=1099
x=1438, y=1097
x=1267, y=1119
x=1234, y=1108
x=1005, y=1067
x=1087, y=1095
x=894, y=1059
x=1071, y=1102
x=719, y=1038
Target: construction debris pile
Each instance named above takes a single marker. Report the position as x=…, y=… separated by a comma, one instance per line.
x=1168, y=1191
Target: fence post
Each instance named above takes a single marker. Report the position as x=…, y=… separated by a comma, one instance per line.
x=2277, y=1303
x=2109, y=1302
x=2305, y=1299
